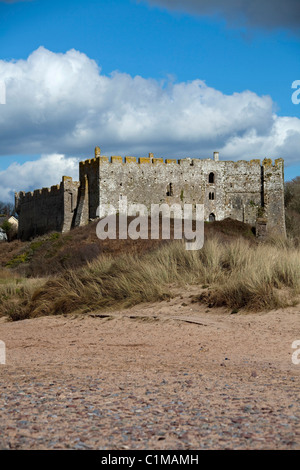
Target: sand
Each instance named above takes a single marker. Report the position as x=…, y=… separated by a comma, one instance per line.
x=170, y=375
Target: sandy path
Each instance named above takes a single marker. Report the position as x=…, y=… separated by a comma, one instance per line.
x=172, y=375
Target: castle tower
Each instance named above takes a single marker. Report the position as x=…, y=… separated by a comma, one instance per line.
x=273, y=196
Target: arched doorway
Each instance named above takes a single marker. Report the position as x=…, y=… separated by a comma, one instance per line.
x=212, y=217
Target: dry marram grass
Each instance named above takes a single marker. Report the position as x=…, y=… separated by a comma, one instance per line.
x=239, y=275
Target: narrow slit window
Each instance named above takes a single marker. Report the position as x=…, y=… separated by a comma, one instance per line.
x=211, y=178
x=170, y=190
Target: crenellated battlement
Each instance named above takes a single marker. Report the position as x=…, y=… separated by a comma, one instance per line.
x=39, y=193
x=117, y=159
x=278, y=163
x=151, y=160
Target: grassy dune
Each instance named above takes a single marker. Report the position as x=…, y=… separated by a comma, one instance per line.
x=236, y=274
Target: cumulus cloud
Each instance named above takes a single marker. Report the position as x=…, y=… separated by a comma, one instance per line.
x=262, y=13
x=44, y=172
x=62, y=104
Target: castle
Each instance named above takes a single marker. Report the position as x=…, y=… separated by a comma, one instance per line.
x=248, y=191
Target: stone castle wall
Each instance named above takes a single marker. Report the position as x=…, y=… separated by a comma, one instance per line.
x=243, y=190
x=48, y=209
x=232, y=190
x=273, y=195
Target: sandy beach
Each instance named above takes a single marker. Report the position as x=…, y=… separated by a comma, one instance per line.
x=168, y=375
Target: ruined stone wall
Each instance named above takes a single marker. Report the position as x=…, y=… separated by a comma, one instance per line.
x=90, y=181
x=273, y=196
x=242, y=187
x=151, y=181
x=82, y=210
x=227, y=189
x=70, y=202
x=47, y=209
x=243, y=190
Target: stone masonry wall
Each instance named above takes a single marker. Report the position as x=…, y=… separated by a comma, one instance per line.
x=273, y=196
x=47, y=209
x=234, y=189
x=89, y=177
x=242, y=190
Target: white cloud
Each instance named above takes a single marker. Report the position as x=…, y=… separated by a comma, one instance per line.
x=44, y=172
x=62, y=104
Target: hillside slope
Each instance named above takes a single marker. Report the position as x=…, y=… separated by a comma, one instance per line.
x=56, y=252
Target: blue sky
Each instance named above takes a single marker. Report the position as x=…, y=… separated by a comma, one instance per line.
x=177, y=78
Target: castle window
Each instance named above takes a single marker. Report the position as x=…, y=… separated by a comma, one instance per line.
x=212, y=217
x=211, y=196
x=170, y=190
x=211, y=178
